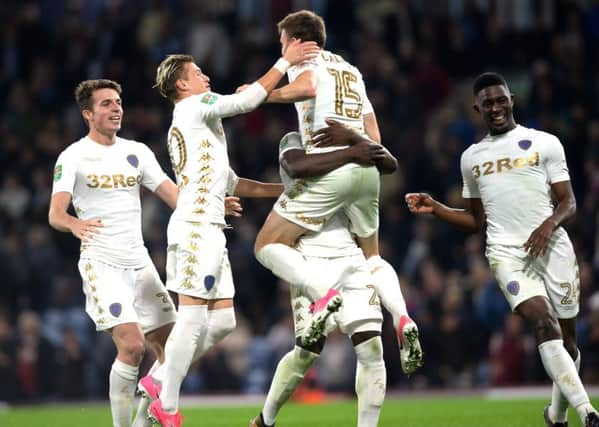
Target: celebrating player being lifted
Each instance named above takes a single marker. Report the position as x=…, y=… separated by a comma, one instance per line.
x=102, y=175
x=198, y=268
x=330, y=251
x=328, y=87
x=510, y=178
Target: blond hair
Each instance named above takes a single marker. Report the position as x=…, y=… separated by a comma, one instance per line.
x=168, y=72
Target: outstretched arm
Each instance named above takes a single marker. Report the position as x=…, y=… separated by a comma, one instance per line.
x=469, y=220
x=250, y=188
x=302, y=88
x=249, y=97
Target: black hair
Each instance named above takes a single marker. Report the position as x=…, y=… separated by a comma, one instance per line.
x=486, y=80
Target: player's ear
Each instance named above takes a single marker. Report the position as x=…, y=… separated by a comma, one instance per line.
x=475, y=107
x=181, y=84
x=87, y=114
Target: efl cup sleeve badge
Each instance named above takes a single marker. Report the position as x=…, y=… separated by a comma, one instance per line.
x=525, y=144
x=57, y=173
x=513, y=287
x=209, y=99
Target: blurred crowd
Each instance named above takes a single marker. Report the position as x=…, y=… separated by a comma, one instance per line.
x=418, y=59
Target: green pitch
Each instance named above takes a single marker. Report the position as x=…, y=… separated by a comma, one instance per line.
x=408, y=412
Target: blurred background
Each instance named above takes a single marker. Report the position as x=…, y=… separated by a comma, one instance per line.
x=418, y=59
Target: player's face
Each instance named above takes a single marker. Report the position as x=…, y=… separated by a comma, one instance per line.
x=195, y=81
x=285, y=40
x=496, y=106
x=106, y=113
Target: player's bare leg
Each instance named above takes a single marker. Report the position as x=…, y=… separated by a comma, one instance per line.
x=130, y=344
x=274, y=250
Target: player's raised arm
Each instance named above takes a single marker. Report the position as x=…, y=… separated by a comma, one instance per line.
x=302, y=88
x=178, y=77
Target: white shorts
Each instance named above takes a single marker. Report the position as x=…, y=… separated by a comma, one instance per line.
x=554, y=276
x=197, y=262
x=116, y=295
x=353, y=188
x=361, y=308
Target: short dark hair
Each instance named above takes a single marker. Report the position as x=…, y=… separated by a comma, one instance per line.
x=304, y=25
x=487, y=79
x=85, y=90
x=169, y=71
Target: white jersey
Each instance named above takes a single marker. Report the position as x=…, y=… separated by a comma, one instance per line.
x=104, y=181
x=340, y=95
x=198, y=150
x=335, y=239
x=512, y=174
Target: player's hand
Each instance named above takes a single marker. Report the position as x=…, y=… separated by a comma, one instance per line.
x=538, y=242
x=298, y=51
x=233, y=206
x=335, y=135
x=241, y=88
x=367, y=153
x=420, y=203
x=85, y=230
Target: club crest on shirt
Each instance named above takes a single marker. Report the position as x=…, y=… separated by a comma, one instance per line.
x=513, y=287
x=524, y=144
x=115, y=309
x=133, y=160
x=57, y=172
x=209, y=281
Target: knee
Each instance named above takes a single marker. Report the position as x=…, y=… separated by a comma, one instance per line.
x=132, y=351
x=545, y=328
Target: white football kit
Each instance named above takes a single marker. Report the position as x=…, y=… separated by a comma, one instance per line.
x=330, y=252
x=120, y=282
x=197, y=260
x=340, y=95
x=512, y=174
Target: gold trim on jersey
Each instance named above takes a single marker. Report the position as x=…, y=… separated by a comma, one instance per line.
x=179, y=140
x=310, y=221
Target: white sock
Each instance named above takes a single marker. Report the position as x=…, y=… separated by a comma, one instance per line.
x=288, y=264
x=141, y=417
x=289, y=374
x=371, y=381
x=179, y=350
x=558, y=411
x=122, y=383
x=386, y=284
x=561, y=369
x=221, y=322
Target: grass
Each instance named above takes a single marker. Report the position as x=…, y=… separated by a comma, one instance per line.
x=406, y=412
